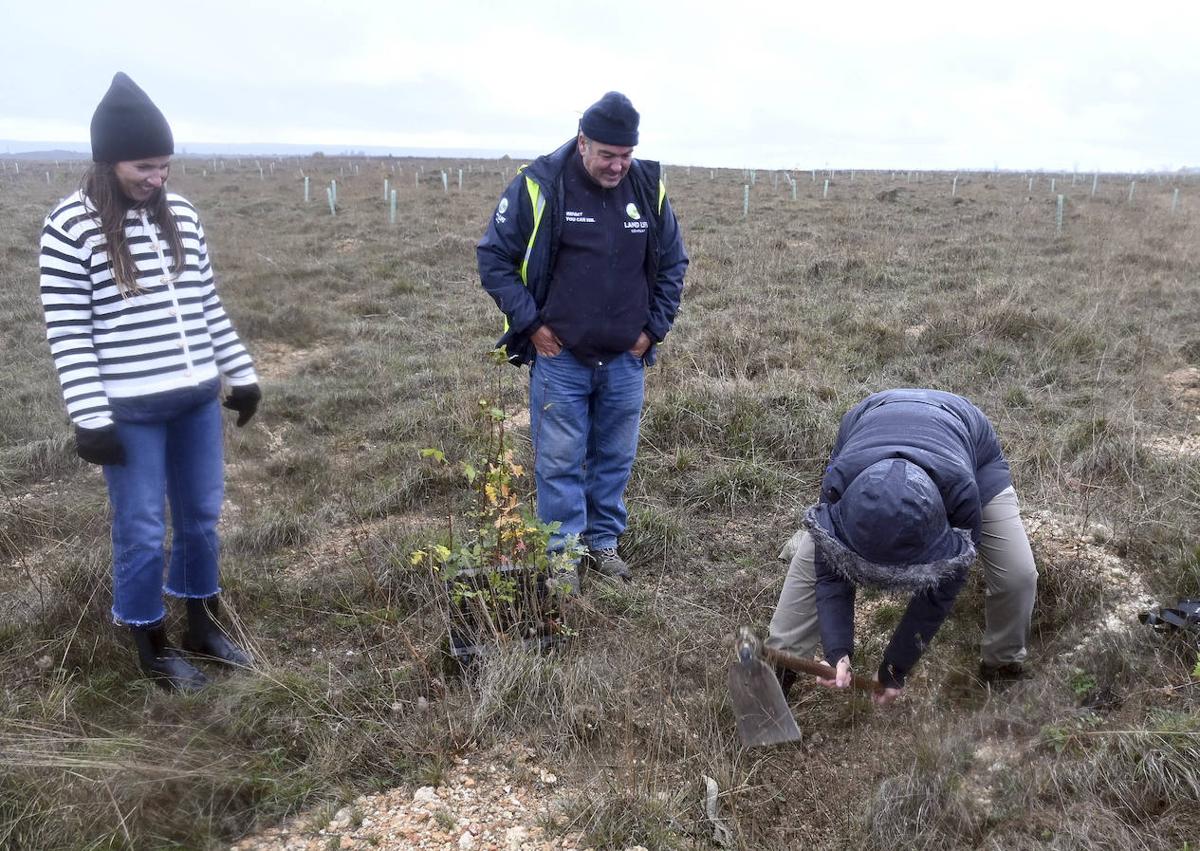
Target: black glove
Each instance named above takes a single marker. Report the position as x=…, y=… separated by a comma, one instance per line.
x=99, y=445
x=243, y=399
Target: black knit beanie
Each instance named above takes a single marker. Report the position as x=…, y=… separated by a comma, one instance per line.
x=612, y=120
x=128, y=126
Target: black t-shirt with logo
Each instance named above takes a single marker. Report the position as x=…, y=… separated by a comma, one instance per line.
x=599, y=299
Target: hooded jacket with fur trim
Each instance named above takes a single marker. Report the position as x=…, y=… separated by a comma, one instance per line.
x=956, y=446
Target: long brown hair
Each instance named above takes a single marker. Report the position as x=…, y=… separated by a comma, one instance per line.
x=109, y=205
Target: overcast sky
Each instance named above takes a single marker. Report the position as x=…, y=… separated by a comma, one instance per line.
x=1012, y=84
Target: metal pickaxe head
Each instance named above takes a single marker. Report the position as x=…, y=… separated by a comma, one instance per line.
x=763, y=716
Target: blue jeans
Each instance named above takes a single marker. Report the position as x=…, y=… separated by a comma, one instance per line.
x=584, y=423
x=173, y=452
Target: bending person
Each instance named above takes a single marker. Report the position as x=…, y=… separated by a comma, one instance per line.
x=141, y=342
x=916, y=487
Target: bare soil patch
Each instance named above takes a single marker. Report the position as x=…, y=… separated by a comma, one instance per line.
x=1184, y=385
x=1123, y=591
x=275, y=360
x=1175, y=445
x=491, y=801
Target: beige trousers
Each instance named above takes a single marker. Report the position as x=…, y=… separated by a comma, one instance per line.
x=1009, y=575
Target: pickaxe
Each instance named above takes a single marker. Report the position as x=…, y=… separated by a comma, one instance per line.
x=763, y=716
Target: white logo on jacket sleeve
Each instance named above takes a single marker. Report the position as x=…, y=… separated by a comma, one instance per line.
x=501, y=210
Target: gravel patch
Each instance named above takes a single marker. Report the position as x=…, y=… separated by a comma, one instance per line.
x=496, y=803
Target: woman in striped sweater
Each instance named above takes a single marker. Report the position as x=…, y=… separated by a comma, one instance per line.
x=141, y=344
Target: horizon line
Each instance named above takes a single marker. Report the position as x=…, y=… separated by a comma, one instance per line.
x=39, y=148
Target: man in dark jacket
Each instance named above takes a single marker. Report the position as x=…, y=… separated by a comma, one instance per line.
x=916, y=486
x=584, y=257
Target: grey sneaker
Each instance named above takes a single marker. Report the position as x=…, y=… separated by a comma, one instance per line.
x=564, y=582
x=606, y=562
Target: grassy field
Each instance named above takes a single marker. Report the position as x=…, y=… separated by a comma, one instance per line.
x=371, y=341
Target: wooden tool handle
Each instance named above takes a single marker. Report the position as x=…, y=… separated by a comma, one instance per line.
x=817, y=669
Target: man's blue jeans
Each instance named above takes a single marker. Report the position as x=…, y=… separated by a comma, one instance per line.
x=584, y=421
x=173, y=452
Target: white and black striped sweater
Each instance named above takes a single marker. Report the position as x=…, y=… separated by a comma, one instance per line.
x=173, y=334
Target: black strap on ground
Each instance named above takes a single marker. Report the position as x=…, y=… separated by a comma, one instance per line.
x=1183, y=615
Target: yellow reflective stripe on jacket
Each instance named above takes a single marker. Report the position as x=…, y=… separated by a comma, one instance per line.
x=662, y=193
x=539, y=205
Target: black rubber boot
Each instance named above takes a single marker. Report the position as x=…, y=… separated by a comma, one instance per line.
x=205, y=637
x=163, y=663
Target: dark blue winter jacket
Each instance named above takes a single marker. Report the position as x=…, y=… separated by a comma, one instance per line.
x=516, y=255
x=956, y=446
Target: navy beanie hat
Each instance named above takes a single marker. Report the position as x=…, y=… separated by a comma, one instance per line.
x=128, y=126
x=890, y=530
x=612, y=120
